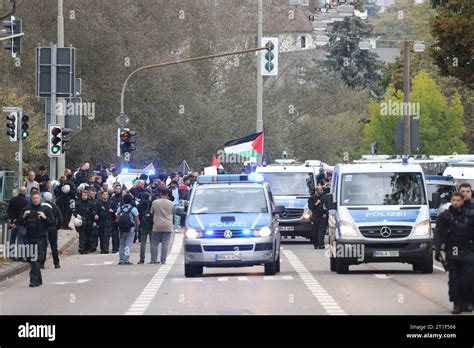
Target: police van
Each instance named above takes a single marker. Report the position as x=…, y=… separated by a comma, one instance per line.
x=231, y=221
x=292, y=184
x=445, y=186
x=380, y=213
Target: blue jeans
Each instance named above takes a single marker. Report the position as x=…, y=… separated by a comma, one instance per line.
x=19, y=232
x=125, y=248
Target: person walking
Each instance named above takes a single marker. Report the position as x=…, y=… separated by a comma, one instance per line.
x=146, y=223
x=454, y=229
x=36, y=218
x=14, y=210
x=128, y=222
x=315, y=204
x=106, y=216
x=162, y=211
x=55, y=223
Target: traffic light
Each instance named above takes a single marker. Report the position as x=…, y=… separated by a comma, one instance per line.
x=54, y=140
x=12, y=125
x=13, y=27
x=127, y=141
x=66, y=139
x=269, y=57
x=24, y=127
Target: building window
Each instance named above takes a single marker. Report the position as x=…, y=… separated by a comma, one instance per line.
x=303, y=42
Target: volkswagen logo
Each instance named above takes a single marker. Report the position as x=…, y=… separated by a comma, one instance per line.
x=385, y=232
x=285, y=214
x=227, y=234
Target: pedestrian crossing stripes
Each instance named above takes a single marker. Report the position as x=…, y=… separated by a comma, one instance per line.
x=142, y=302
x=325, y=300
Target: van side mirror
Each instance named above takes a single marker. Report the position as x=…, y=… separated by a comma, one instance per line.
x=279, y=209
x=328, y=201
x=435, y=200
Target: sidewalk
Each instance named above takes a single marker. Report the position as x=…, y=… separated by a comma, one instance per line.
x=9, y=269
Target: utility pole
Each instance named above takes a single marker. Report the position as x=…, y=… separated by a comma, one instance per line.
x=259, y=68
x=60, y=117
x=20, y=152
x=53, y=161
x=406, y=99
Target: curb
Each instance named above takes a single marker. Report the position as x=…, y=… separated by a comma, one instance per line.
x=20, y=267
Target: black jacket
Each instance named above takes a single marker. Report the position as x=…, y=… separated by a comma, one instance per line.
x=36, y=227
x=317, y=210
x=454, y=229
x=56, y=220
x=105, y=216
x=86, y=209
x=15, y=207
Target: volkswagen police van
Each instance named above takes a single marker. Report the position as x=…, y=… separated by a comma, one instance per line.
x=291, y=184
x=231, y=221
x=379, y=213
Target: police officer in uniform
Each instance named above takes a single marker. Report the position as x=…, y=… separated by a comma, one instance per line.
x=84, y=210
x=55, y=223
x=315, y=204
x=117, y=200
x=106, y=216
x=65, y=195
x=454, y=230
x=36, y=218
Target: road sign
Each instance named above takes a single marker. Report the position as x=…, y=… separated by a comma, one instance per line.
x=127, y=120
x=65, y=76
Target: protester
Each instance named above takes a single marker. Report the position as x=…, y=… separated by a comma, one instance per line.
x=18, y=231
x=146, y=224
x=128, y=221
x=31, y=183
x=162, y=211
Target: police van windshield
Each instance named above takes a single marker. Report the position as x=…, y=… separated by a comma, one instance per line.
x=382, y=189
x=444, y=190
x=227, y=200
x=290, y=184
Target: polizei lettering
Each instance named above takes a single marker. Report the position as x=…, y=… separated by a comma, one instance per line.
x=227, y=224
x=37, y=331
x=385, y=214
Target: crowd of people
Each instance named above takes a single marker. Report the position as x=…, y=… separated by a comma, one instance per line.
x=108, y=215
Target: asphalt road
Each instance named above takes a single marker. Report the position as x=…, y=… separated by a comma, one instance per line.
x=95, y=284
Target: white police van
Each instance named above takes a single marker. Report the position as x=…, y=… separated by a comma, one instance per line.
x=379, y=213
x=231, y=221
x=292, y=184
x=445, y=186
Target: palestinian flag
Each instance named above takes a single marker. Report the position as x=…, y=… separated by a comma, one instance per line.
x=216, y=163
x=249, y=146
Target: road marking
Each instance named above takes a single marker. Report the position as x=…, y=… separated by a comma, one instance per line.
x=79, y=281
x=242, y=278
x=382, y=276
x=100, y=264
x=222, y=279
x=439, y=268
x=140, y=305
x=285, y=277
x=322, y=296
x=187, y=280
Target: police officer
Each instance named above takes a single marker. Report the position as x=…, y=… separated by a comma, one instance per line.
x=106, y=215
x=36, y=218
x=117, y=201
x=146, y=223
x=84, y=210
x=315, y=204
x=454, y=230
x=65, y=194
x=94, y=237
x=55, y=223
x=466, y=190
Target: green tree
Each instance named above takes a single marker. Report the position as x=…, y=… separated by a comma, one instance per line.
x=358, y=68
x=441, y=118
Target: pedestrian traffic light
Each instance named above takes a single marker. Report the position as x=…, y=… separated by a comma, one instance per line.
x=127, y=141
x=54, y=140
x=269, y=57
x=66, y=139
x=24, y=127
x=13, y=27
x=12, y=126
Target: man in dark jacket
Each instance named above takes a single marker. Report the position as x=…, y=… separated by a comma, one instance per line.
x=106, y=217
x=116, y=201
x=318, y=218
x=56, y=222
x=36, y=218
x=65, y=194
x=14, y=210
x=146, y=224
x=454, y=229
x=84, y=210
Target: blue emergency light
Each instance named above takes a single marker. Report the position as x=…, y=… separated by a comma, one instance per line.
x=208, y=179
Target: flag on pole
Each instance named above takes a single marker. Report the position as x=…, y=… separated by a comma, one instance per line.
x=149, y=169
x=216, y=163
x=249, y=146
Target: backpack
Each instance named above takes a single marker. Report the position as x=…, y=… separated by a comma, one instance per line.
x=125, y=223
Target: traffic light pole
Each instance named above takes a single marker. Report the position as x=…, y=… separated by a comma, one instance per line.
x=406, y=99
x=60, y=117
x=52, y=160
x=20, y=153
x=259, y=72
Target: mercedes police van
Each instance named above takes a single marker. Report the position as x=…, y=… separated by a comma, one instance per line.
x=380, y=213
x=231, y=221
x=292, y=184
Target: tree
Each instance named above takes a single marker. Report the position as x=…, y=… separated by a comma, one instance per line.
x=358, y=68
x=441, y=118
x=453, y=31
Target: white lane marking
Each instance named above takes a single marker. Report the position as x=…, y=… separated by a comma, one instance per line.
x=222, y=279
x=285, y=277
x=322, y=296
x=140, y=305
x=242, y=278
x=79, y=281
x=100, y=264
x=439, y=268
x=382, y=276
x=187, y=280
